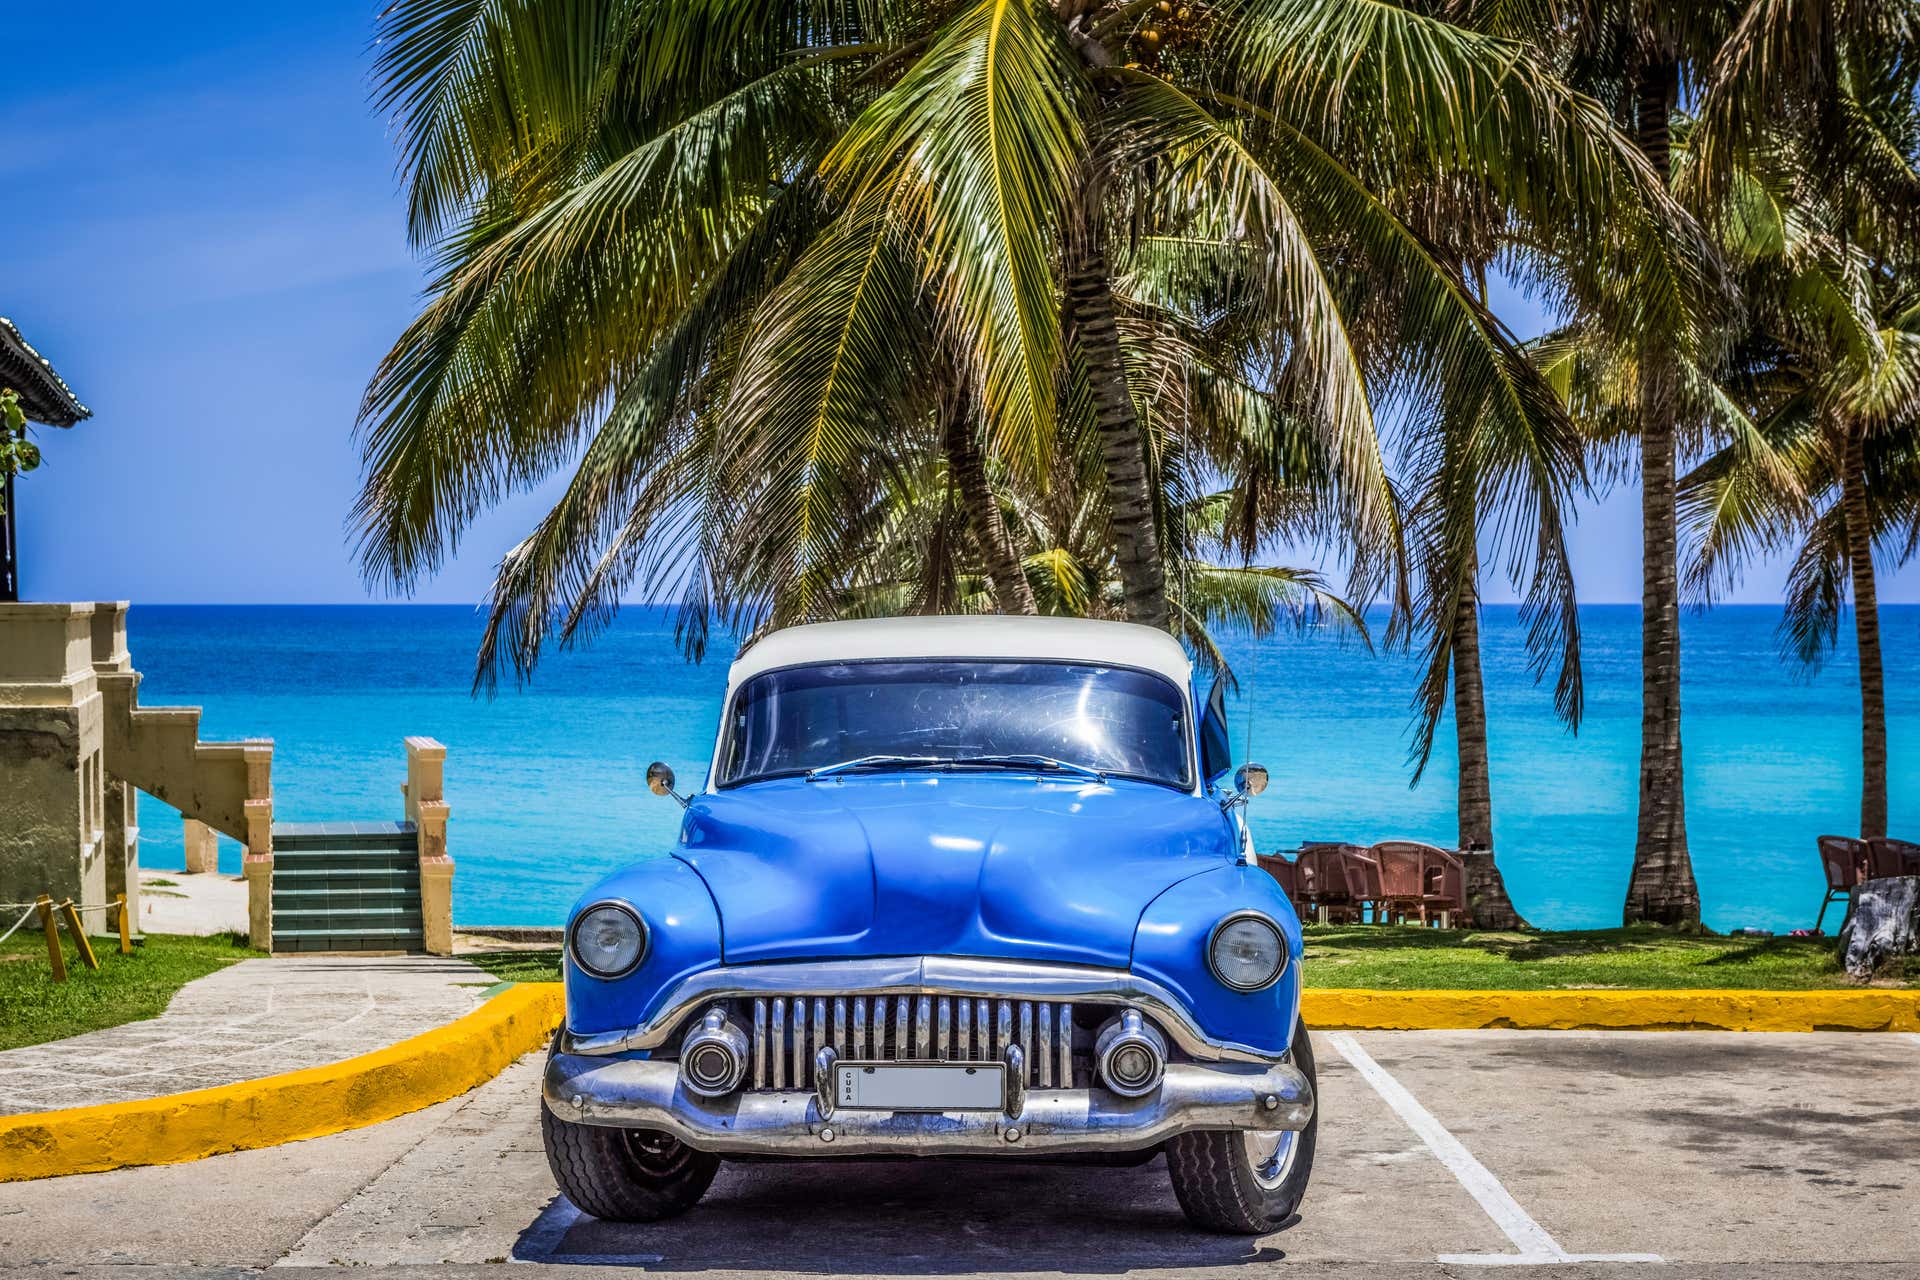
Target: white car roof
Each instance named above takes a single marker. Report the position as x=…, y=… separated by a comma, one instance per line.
x=1123, y=644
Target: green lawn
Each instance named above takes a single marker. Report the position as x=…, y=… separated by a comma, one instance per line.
x=34, y=1008
x=520, y=966
x=1409, y=958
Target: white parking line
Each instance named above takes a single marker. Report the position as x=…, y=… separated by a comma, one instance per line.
x=1536, y=1247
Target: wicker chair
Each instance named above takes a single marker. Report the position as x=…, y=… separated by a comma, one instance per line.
x=1421, y=880
x=1844, y=860
x=1403, y=887
x=1892, y=858
x=1282, y=868
x=1446, y=880
x=1331, y=887
x=1362, y=871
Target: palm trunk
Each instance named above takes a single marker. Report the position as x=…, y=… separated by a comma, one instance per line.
x=1488, y=906
x=1012, y=593
x=1662, y=888
x=1136, y=537
x=1470, y=727
x=1866, y=634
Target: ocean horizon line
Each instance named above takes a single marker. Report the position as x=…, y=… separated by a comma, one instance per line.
x=547, y=780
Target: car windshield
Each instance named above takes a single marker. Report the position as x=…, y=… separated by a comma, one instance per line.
x=958, y=714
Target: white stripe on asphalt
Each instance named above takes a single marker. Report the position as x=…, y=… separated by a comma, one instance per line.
x=1536, y=1247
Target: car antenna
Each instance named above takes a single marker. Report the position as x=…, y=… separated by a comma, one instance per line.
x=1252, y=854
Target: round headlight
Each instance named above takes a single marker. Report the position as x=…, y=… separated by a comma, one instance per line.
x=1247, y=952
x=608, y=940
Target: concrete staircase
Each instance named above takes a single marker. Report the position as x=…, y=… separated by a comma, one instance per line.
x=347, y=886
x=227, y=785
x=337, y=886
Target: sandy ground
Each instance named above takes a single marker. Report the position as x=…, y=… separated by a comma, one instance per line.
x=175, y=902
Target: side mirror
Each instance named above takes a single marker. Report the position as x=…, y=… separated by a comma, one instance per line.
x=1249, y=780
x=660, y=781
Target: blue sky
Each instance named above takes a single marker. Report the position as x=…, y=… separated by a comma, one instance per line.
x=201, y=227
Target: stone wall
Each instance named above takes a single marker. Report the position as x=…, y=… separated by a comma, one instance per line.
x=53, y=782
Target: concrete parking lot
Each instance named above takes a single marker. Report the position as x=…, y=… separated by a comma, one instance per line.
x=1440, y=1153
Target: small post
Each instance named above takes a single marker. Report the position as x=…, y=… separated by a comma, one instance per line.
x=55, y=957
x=79, y=932
x=126, y=931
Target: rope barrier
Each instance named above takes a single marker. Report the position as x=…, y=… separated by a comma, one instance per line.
x=25, y=916
x=50, y=912
x=31, y=909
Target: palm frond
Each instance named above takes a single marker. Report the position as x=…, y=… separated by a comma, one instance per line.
x=833, y=365
x=978, y=141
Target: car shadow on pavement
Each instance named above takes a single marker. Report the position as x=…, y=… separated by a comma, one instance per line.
x=906, y=1218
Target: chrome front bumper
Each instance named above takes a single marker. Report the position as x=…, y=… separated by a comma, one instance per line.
x=639, y=1094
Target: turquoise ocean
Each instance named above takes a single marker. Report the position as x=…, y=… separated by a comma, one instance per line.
x=547, y=787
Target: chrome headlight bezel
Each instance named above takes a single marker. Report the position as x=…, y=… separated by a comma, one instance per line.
x=640, y=950
x=1280, y=946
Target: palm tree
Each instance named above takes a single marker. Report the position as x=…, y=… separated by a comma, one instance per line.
x=1764, y=73
x=915, y=564
x=1636, y=55
x=1823, y=454
x=726, y=256
x=1456, y=485
x=1830, y=469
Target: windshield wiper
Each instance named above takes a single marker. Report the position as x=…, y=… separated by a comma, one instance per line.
x=1046, y=764
x=1049, y=764
x=875, y=762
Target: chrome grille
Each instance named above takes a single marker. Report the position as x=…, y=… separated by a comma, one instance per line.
x=788, y=1032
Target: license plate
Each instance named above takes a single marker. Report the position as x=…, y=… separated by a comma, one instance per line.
x=920, y=1086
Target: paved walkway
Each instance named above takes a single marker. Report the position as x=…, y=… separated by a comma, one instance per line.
x=1441, y=1154
x=256, y=1018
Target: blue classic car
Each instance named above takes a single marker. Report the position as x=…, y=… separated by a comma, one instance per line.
x=954, y=887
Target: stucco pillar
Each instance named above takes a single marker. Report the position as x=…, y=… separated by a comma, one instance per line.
x=53, y=810
x=256, y=864
x=203, y=847
x=427, y=810
x=120, y=829
x=122, y=851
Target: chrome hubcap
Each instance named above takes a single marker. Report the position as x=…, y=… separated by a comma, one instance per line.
x=656, y=1154
x=1272, y=1155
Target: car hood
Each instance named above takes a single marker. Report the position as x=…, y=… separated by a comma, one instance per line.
x=1000, y=864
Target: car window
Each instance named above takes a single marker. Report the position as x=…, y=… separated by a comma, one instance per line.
x=1113, y=719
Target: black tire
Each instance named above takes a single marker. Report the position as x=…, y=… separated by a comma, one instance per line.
x=1215, y=1180
x=625, y=1175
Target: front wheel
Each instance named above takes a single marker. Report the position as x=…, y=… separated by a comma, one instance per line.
x=625, y=1175
x=1247, y=1182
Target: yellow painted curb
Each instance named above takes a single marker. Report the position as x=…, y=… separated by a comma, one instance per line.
x=1840, y=1010
x=416, y=1073
x=450, y=1060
